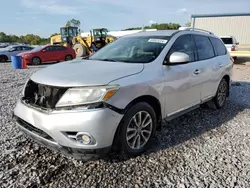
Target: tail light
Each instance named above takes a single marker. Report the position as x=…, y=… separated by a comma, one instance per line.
x=233, y=48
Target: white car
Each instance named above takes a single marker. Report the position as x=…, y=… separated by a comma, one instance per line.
x=230, y=43
x=117, y=98
x=6, y=53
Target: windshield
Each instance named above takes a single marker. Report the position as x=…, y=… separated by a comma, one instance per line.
x=64, y=31
x=132, y=49
x=37, y=49
x=227, y=40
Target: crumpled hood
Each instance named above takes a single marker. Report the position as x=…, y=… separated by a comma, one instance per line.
x=84, y=73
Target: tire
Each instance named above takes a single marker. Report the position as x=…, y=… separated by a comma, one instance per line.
x=220, y=98
x=127, y=143
x=68, y=57
x=80, y=50
x=3, y=58
x=36, y=61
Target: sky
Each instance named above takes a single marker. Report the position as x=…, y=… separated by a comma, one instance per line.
x=44, y=17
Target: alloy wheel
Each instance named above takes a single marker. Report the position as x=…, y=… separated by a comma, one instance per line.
x=222, y=93
x=36, y=61
x=139, y=130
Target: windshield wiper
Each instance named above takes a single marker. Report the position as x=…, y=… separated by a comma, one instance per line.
x=105, y=60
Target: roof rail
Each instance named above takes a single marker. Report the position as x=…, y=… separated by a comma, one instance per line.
x=196, y=29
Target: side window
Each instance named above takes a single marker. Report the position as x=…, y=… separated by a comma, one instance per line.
x=19, y=48
x=204, y=47
x=59, y=48
x=184, y=44
x=219, y=46
x=49, y=48
x=25, y=48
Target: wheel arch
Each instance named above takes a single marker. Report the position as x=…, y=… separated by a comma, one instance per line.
x=5, y=56
x=149, y=99
x=228, y=79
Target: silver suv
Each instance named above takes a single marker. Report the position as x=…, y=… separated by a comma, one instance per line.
x=118, y=97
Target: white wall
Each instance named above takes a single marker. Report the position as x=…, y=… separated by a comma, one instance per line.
x=237, y=26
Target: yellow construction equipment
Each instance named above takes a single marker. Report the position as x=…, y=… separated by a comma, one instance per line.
x=83, y=46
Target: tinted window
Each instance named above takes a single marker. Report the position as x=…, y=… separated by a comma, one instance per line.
x=204, y=47
x=228, y=40
x=219, y=46
x=184, y=44
x=18, y=48
x=27, y=48
x=59, y=48
x=50, y=48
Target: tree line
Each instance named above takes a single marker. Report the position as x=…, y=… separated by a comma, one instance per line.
x=37, y=40
x=161, y=26
x=27, y=39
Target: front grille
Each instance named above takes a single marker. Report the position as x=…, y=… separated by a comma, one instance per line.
x=33, y=129
x=42, y=96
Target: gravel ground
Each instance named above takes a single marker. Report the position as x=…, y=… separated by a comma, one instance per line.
x=204, y=148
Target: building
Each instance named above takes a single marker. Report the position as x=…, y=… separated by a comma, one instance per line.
x=237, y=25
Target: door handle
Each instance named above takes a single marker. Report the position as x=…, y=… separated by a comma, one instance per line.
x=196, y=72
x=220, y=65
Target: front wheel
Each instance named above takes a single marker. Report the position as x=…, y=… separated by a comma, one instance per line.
x=80, y=50
x=36, y=61
x=136, y=129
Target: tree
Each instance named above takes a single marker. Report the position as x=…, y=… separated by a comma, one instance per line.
x=3, y=37
x=28, y=39
x=161, y=26
x=73, y=23
x=188, y=24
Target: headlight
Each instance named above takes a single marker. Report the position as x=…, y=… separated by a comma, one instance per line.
x=22, y=93
x=86, y=95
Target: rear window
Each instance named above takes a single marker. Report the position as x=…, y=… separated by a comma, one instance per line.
x=219, y=46
x=227, y=40
x=204, y=47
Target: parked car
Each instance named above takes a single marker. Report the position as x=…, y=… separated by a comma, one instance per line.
x=6, y=53
x=230, y=43
x=48, y=53
x=118, y=97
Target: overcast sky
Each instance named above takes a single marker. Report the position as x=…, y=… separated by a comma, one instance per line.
x=44, y=17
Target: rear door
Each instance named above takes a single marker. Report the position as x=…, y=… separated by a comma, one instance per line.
x=61, y=52
x=206, y=57
x=182, y=81
x=220, y=62
x=49, y=55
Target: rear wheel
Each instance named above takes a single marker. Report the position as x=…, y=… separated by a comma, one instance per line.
x=68, y=57
x=3, y=58
x=136, y=130
x=36, y=61
x=221, y=96
x=80, y=50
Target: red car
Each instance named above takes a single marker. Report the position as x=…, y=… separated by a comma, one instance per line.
x=49, y=53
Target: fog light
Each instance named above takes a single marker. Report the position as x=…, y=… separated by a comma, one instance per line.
x=83, y=138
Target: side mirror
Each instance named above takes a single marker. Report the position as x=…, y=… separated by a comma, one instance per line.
x=178, y=58
x=43, y=50
x=11, y=50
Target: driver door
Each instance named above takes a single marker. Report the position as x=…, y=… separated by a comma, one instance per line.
x=182, y=83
